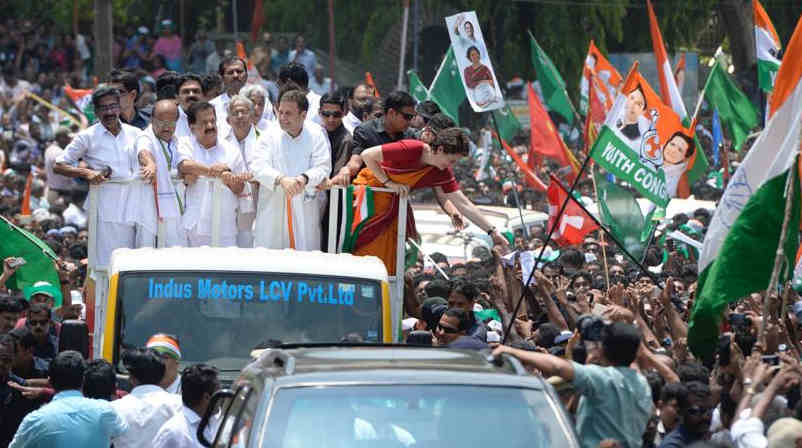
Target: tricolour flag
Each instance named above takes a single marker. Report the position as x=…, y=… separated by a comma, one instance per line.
x=446, y=89
x=767, y=47
x=735, y=110
x=574, y=224
x=551, y=83
x=605, y=85
x=740, y=244
x=544, y=138
x=416, y=87
x=668, y=85
x=82, y=98
x=359, y=209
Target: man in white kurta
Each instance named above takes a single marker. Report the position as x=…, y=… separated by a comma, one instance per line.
x=204, y=154
x=241, y=134
x=234, y=74
x=157, y=153
x=106, y=148
x=190, y=91
x=290, y=161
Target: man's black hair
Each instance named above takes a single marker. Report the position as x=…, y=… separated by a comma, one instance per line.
x=39, y=308
x=197, y=380
x=128, y=80
x=295, y=96
x=221, y=68
x=398, y=100
x=144, y=364
x=438, y=288
x=547, y=332
x=438, y=257
x=7, y=339
x=428, y=109
x=462, y=316
x=9, y=305
x=656, y=383
x=572, y=258
x=294, y=72
x=439, y=121
x=210, y=82
x=674, y=391
x=187, y=77
x=467, y=289
x=100, y=381
x=620, y=343
x=24, y=337
x=66, y=371
x=696, y=389
x=195, y=109
x=167, y=85
x=693, y=371
x=333, y=98
x=102, y=92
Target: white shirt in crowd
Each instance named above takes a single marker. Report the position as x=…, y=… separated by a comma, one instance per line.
x=220, y=103
x=181, y=431
x=145, y=410
x=182, y=125
x=350, y=121
x=198, y=208
x=277, y=153
x=321, y=88
x=56, y=181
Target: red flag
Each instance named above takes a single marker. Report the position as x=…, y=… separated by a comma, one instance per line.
x=574, y=224
x=544, y=138
x=257, y=19
x=26, y=196
x=529, y=176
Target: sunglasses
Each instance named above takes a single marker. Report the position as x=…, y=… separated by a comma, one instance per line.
x=448, y=330
x=697, y=411
x=329, y=114
x=38, y=323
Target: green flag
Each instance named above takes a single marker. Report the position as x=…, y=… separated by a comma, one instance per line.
x=737, y=113
x=16, y=242
x=551, y=83
x=446, y=89
x=621, y=214
x=416, y=87
x=508, y=125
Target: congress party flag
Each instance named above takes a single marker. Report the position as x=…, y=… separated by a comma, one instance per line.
x=668, y=84
x=767, y=47
x=599, y=77
x=473, y=60
x=740, y=245
x=644, y=143
x=446, y=89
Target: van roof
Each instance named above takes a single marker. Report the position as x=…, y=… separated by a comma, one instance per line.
x=247, y=260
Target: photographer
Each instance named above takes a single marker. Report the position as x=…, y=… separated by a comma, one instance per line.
x=616, y=400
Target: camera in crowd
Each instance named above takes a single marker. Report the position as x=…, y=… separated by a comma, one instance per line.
x=591, y=327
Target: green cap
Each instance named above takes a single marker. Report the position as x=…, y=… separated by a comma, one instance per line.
x=44, y=288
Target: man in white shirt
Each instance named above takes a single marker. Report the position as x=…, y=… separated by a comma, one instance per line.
x=241, y=134
x=319, y=83
x=263, y=115
x=148, y=406
x=303, y=55
x=351, y=120
x=203, y=154
x=291, y=160
x=57, y=184
x=199, y=383
x=105, y=147
x=157, y=154
x=234, y=73
x=190, y=90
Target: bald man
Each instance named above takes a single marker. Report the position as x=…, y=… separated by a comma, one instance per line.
x=160, y=201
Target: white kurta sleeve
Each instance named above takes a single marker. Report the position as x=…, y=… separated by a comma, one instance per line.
x=184, y=150
x=262, y=169
x=320, y=162
x=76, y=150
x=143, y=143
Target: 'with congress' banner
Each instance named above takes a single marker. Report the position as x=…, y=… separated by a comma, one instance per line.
x=473, y=61
x=644, y=143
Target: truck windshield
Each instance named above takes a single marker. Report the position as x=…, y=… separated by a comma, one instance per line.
x=219, y=317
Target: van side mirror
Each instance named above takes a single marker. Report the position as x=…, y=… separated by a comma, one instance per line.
x=74, y=335
x=219, y=395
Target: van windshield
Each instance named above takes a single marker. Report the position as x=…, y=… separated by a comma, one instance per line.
x=219, y=317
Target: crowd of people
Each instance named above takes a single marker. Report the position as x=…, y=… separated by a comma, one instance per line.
x=609, y=333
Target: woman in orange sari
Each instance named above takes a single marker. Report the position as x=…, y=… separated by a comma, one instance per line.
x=408, y=165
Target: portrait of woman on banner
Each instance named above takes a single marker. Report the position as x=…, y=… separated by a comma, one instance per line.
x=633, y=123
x=678, y=158
x=479, y=79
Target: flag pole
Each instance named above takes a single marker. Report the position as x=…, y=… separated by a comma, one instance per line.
x=601, y=237
x=545, y=244
x=779, y=255
x=514, y=185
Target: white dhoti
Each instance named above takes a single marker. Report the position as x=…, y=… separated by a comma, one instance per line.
x=110, y=236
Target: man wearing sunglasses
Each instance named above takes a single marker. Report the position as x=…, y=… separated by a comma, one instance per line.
x=332, y=107
x=39, y=321
x=452, y=331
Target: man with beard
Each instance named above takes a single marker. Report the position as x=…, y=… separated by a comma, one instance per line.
x=234, y=72
x=156, y=150
x=104, y=147
x=190, y=91
x=291, y=160
x=203, y=154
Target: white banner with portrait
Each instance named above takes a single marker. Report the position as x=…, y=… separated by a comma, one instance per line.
x=473, y=60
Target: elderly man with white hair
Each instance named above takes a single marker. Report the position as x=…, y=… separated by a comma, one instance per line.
x=263, y=115
x=242, y=134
